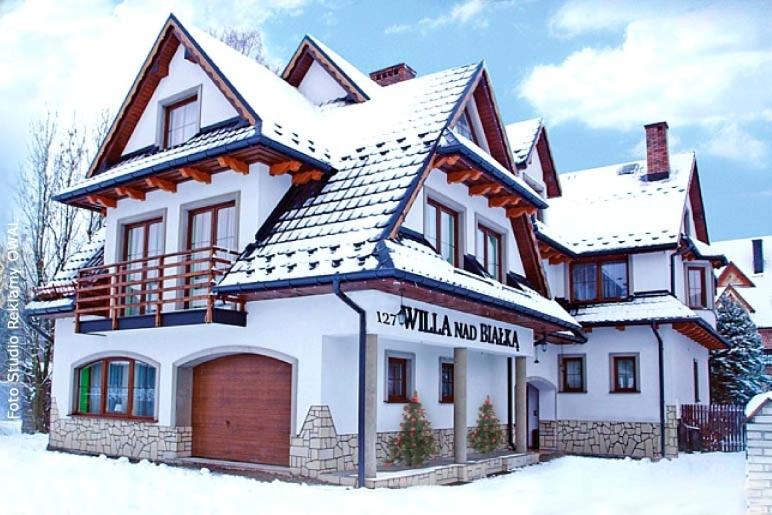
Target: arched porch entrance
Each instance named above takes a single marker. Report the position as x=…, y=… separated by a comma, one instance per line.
x=540, y=401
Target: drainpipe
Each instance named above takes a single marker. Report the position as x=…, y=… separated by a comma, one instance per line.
x=361, y=386
x=510, y=398
x=661, y=357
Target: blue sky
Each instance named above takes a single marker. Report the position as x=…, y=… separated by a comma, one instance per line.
x=595, y=70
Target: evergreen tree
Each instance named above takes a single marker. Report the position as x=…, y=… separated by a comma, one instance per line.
x=737, y=374
x=487, y=436
x=415, y=442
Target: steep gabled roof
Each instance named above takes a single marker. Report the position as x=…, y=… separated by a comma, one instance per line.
x=381, y=151
x=759, y=293
x=610, y=209
x=357, y=84
x=153, y=70
x=731, y=275
x=527, y=137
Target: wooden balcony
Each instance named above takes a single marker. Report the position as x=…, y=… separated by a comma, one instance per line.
x=157, y=291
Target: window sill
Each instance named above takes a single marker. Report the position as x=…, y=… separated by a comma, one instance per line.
x=447, y=401
x=129, y=418
x=624, y=391
x=572, y=391
x=406, y=401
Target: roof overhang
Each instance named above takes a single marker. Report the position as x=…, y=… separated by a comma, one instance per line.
x=399, y=282
x=696, y=329
x=206, y=162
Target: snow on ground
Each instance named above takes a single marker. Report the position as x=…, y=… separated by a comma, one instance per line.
x=34, y=481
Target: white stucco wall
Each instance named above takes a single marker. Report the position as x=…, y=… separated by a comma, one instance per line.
x=323, y=350
x=650, y=272
x=183, y=77
x=319, y=87
x=256, y=195
x=680, y=354
x=473, y=211
x=598, y=403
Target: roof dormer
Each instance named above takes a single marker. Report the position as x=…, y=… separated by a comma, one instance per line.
x=323, y=76
x=477, y=119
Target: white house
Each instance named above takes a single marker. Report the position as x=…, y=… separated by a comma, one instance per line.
x=748, y=280
x=287, y=259
x=625, y=250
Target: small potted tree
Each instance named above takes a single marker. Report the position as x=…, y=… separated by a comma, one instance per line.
x=415, y=442
x=487, y=436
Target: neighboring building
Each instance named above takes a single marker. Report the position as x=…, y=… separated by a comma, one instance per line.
x=625, y=249
x=747, y=278
x=286, y=259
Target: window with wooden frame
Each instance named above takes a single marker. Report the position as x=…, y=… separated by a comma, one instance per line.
x=696, y=286
x=447, y=381
x=210, y=226
x=572, y=374
x=599, y=281
x=116, y=387
x=141, y=241
x=465, y=127
x=397, y=379
x=624, y=374
x=490, y=247
x=181, y=121
x=442, y=230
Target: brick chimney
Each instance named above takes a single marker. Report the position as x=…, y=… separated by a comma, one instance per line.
x=657, y=154
x=393, y=74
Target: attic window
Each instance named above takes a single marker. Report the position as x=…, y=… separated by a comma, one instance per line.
x=465, y=128
x=181, y=121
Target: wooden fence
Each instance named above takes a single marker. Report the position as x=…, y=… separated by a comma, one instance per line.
x=711, y=428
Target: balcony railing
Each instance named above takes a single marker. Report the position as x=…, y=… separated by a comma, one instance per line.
x=149, y=289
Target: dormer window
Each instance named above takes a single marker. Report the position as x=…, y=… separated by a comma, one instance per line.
x=489, y=250
x=599, y=281
x=442, y=230
x=180, y=121
x=465, y=128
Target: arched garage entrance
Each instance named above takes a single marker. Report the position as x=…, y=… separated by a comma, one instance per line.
x=242, y=409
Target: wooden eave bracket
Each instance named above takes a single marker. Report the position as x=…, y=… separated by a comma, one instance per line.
x=283, y=167
x=463, y=176
x=196, y=174
x=161, y=184
x=103, y=201
x=237, y=165
x=514, y=212
x=307, y=176
x=130, y=192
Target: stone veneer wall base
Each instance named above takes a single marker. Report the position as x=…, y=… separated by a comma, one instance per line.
x=117, y=437
x=616, y=439
x=318, y=449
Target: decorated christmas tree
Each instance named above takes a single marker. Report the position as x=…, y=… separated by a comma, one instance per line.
x=737, y=374
x=487, y=436
x=415, y=442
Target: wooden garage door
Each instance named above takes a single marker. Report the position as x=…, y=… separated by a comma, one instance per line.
x=242, y=406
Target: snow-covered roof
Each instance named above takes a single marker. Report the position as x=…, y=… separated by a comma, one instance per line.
x=335, y=229
x=612, y=208
x=416, y=258
x=452, y=142
x=378, y=150
x=756, y=403
x=361, y=80
x=639, y=309
x=57, y=293
x=522, y=138
x=759, y=296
